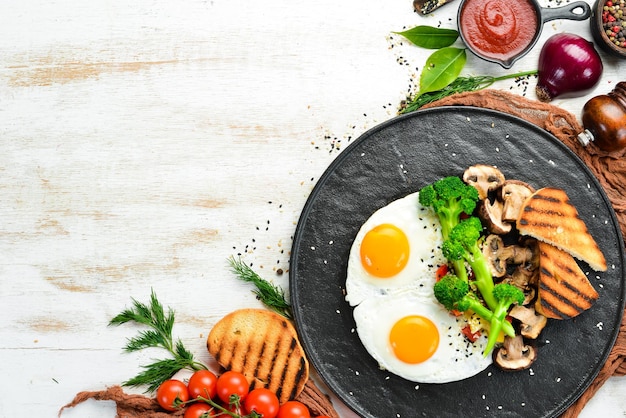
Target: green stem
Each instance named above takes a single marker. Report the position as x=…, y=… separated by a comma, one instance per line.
x=488, y=315
x=459, y=85
x=196, y=365
x=460, y=270
x=483, y=278
x=221, y=409
x=494, y=331
x=516, y=75
x=497, y=324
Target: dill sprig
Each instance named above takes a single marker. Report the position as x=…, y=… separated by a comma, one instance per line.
x=459, y=85
x=160, y=336
x=272, y=296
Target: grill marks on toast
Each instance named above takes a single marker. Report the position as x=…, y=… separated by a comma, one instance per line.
x=264, y=347
x=564, y=290
x=549, y=216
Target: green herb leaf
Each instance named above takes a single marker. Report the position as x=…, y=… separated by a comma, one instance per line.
x=159, y=335
x=430, y=37
x=145, y=339
x=442, y=68
x=459, y=85
x=272, y=296
x=182, y=352
x=156, y=373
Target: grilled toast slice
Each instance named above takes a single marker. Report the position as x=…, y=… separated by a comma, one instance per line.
x=549, y=216
x=564, y=290
x=264, y=347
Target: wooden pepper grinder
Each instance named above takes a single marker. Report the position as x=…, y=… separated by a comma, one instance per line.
x=604, y=120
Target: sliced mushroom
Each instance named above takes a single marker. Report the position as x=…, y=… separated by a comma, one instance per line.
x=529, y=295
x=525, y=278
x=532, y=322
x=531, y=244
x=484, y=178
x=513, y=194
x=514, y=354
x=491, y=215
x=501, y=255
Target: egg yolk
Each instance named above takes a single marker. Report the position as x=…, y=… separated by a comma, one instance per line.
x=414, y=339
x=384, y=251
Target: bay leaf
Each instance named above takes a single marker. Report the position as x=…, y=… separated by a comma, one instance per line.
x=441, y=68
x=430, y=37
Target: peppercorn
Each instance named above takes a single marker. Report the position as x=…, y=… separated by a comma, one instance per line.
x=614, y=21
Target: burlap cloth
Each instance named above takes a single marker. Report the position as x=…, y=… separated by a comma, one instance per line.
x=609, y=168
x=142, y=406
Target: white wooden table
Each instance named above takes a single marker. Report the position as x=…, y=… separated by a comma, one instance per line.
x=144, y=142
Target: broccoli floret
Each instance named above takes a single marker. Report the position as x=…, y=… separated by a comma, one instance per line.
x=505, y=295
x=450, y=198
x=455, y=294
x=464, y=244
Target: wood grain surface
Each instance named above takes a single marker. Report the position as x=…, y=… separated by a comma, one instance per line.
x=142, y=143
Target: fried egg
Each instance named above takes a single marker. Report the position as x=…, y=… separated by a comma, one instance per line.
x=390, y=277
x=396, y=249
x=419, y=340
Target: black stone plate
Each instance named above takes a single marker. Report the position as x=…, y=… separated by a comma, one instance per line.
x=399, y=157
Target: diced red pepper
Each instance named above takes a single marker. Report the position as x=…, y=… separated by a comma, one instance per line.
x=471, y=336
x=441, y=271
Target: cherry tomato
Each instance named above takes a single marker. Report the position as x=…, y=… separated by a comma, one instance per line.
x=232, y=383
x=202, y=383
x=262, y=401
x=293, y=409
x=171, y=394
x=199, y=410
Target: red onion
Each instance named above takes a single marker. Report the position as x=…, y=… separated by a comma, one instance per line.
x=569, y=65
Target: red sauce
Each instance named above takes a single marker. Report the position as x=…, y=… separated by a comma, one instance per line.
x=498, y=29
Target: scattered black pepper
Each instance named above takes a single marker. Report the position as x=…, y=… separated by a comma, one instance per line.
x=251, y=247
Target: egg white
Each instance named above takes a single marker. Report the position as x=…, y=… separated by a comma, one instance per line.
x=455, y=358
x=422, y=229
x=380, y=303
